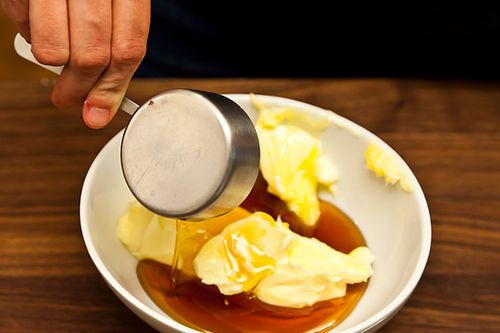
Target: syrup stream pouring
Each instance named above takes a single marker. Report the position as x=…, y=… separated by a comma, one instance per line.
x=185, y=154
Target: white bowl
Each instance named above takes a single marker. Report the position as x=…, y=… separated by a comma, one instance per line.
x=396, y=224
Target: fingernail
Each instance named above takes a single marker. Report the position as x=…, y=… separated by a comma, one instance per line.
x=97, y=116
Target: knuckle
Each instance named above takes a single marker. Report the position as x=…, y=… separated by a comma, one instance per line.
x=130, y=53
x=58, y=101
x=62, y=98
x=15, y=9
x=22, y=20
x=96, y=59
x=50, y=55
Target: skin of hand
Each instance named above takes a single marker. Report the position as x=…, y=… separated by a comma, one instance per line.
x=100, y=43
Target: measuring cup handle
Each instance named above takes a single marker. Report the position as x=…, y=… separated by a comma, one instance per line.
x=23, y=49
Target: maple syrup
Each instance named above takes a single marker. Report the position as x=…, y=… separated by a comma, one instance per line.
x=174, y=271
x=204, y=308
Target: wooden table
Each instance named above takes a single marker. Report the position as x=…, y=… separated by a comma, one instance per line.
x=447, y=131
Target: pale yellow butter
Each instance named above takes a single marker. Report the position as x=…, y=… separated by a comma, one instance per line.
x=149, y=236
x=280, y=267
x=383, y=164
x=292, y=163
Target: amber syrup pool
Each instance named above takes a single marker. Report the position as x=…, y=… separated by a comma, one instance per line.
x=203, y=308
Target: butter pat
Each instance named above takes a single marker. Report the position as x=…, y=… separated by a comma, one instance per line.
x=383, y=164
x=282, y=268
x=292, y=163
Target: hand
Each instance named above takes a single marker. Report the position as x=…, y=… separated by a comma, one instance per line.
x=100, y=42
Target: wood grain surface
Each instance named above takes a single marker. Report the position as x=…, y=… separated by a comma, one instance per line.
x=447, y=131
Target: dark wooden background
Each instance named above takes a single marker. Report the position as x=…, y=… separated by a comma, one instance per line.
x=447, y=131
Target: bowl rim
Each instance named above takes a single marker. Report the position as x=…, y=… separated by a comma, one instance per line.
x=367, y=324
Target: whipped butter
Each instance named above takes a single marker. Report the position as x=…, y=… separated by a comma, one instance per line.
x=384, y=164
x=292, y=162
x=263, y=256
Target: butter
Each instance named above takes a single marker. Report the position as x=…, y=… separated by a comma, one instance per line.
x=383, y=164
x=292, y=162
x=273, y=115
x=149, y=236
x=282, y=268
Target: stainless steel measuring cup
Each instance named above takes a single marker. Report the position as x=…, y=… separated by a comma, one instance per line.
x=185, y=154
